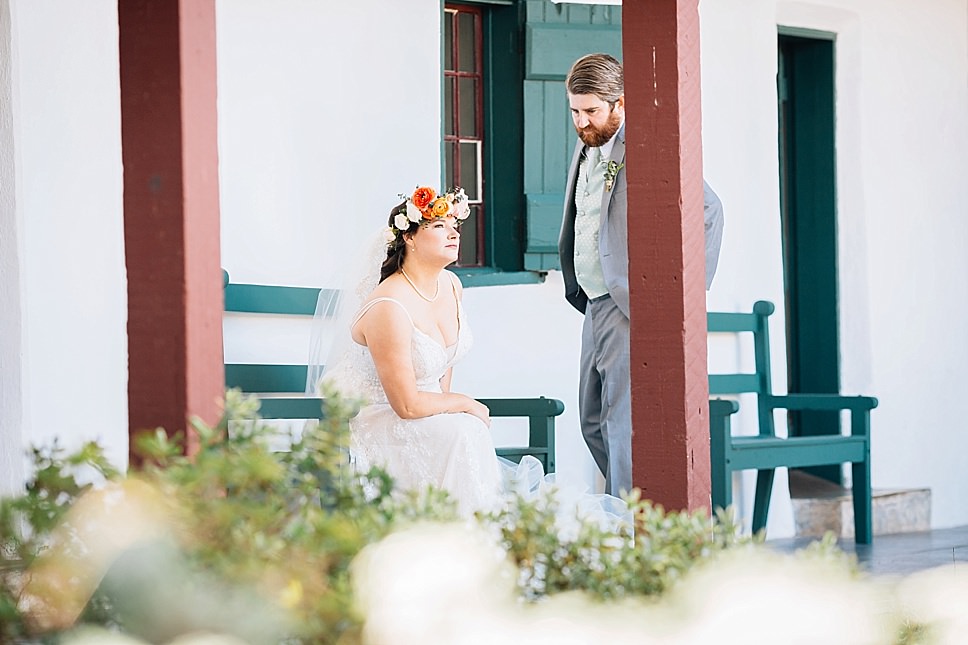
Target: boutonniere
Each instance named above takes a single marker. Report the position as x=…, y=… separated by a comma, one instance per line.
x=611, y=171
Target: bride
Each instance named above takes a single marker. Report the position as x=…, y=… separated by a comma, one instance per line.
x=407, y=337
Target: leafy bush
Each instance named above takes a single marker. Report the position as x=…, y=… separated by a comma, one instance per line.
x=645, y=560
x=244, y=540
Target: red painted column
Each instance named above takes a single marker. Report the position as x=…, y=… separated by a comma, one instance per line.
x=670, y=407
x=171, y=212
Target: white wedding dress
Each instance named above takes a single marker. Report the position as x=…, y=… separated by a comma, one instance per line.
x=449, y=451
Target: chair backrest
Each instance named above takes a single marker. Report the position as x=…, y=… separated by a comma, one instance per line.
x=759, y=382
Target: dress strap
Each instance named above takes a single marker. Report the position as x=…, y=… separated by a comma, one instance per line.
x=460, y=311
x=365, y=308
x=453, y=285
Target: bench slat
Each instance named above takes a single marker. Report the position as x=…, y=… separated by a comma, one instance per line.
x=717, y=321
x=795, y=452
x=269, y=299
x=291, y=407
x=733, y=383
x=261, y=379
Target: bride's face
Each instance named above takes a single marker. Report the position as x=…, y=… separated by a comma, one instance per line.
x=438, y=239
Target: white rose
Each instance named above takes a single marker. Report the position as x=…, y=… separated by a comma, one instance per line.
x=401, y=221
x=463, y=210
x=413, y=214
x=389, y=235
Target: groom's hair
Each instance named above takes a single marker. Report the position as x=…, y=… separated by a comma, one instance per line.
x=598, y=74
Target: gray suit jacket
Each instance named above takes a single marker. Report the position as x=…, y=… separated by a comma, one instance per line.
x=613, y=233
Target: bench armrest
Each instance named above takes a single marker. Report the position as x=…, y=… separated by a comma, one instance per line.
x=722, y=407
x=820, y=402
x=860, y=407
x=540, y=406
x=541, y=413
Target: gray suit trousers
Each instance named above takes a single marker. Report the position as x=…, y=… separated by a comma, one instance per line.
x=604, y=392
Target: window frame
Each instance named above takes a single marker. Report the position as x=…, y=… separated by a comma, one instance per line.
x=456, y=140
x=502, y=116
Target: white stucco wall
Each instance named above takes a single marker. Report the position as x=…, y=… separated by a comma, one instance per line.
x=910, y=130
x=902, y=155
x=322, y=123
x=64, y=217
x=325, y=117
x=11, y=288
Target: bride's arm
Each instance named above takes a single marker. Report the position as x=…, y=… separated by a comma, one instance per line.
x=446, y=379
x=388, y=333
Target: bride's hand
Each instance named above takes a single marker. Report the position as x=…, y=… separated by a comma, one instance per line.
x=479, y=410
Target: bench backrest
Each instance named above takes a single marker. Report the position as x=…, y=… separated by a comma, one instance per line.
x=268, y=299
x=301, y=301
x=268, y=378
x=281, y=387
x=759, y=382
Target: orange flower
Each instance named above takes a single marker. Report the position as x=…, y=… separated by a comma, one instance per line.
x=441, y=207
x=422, y=197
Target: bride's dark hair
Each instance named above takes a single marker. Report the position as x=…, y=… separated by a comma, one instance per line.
x=396, y=250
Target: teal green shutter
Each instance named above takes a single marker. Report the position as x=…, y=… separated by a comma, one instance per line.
x=555, y=36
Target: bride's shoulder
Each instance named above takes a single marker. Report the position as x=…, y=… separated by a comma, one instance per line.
x=389, y=296
x=392, y=287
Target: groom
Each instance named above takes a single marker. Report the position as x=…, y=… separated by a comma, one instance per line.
x=593, y=251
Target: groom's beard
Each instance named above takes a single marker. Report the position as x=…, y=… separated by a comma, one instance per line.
x=596, y=137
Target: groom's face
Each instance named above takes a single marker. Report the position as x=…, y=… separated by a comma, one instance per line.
x=596, y=121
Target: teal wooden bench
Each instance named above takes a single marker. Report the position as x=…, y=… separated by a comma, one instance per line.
x=765, y=451
x=281, y=388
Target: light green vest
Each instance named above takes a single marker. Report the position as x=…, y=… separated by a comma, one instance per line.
x=589, y=189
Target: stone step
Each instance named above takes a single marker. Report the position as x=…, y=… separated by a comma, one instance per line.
x=820, y=506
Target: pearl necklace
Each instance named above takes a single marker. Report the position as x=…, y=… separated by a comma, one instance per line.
x=419, y=293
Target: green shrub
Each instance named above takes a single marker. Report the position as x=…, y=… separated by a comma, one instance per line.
x=244, y=540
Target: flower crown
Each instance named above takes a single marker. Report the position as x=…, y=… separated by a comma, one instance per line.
x=425, y=205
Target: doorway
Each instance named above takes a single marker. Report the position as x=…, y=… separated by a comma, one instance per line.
x=808, y=211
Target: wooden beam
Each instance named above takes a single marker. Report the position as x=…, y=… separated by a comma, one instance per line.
x=670, y=443
x=171, y=212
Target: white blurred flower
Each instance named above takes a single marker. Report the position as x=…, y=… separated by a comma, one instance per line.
x=401, y=222
x=431, y=584
x=389, y=235
x=462, y=209
x=938, y=599
x=452, y=584
x=772, y=598
x=98, y=636
x=207, y=638
x=413, y=213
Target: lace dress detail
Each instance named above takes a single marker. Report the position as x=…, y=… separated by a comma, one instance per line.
x=452, y=451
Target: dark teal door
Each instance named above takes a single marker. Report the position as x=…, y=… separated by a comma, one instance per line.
x=808, y=209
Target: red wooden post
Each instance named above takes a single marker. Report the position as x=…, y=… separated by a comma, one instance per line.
x=171, y=212
x=670, y=407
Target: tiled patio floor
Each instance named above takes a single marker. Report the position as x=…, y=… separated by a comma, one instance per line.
x=901, y=553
